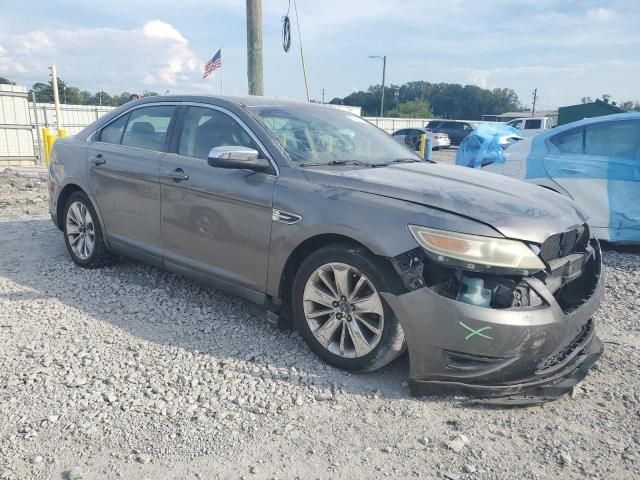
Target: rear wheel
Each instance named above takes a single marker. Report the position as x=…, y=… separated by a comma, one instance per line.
x=82, y=233
x=339, y=311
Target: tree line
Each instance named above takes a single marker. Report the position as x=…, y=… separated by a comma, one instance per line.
x=75, y=96
x=421, y=99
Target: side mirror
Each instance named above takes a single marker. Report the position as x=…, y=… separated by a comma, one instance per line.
x=237, y=157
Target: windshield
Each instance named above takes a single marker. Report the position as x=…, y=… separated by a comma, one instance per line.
x=316, y=136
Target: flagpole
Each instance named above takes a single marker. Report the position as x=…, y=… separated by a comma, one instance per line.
x=221, y=71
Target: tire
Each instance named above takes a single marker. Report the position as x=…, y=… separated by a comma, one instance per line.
x=375, y=350
x=80, y=215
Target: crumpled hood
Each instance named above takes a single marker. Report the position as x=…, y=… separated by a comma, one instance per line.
x=516, y=209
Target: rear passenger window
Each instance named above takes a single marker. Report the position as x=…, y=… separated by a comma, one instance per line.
x=613, y=139
x=148, y=126
x=206, y=128
x=571, y=141
x=532, y=124
x=112, y=133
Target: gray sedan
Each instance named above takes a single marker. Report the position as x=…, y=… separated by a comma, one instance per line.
x=332, y=225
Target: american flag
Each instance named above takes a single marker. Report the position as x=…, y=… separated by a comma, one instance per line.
x=211, y=65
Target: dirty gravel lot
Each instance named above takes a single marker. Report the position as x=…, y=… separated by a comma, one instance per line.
x=131, y=372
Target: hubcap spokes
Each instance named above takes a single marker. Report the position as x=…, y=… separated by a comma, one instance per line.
x=343, y=310
x=80, y=230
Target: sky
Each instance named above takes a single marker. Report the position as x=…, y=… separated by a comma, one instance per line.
x=567, y=49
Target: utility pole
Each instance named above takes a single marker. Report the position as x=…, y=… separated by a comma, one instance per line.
x=535, y=97
x=56, y=98
x=384, y=70
x=323, y=95
x=254, y=47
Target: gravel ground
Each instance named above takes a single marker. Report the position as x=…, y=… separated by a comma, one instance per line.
x=132, y=372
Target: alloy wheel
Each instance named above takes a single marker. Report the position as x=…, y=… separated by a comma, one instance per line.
x=343, y=310
x=80, y=230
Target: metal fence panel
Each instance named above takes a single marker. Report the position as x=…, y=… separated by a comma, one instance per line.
x=16, y=134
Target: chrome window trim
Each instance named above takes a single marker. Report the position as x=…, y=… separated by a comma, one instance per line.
x=188, y=104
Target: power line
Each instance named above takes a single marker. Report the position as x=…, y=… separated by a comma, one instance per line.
x=304, y=70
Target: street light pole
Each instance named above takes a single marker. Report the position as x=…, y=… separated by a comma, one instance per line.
x=384, y=71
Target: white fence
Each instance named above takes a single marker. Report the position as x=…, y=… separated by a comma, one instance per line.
x=73, y=117
x=21, y=124
x=16, y=133
x=390, y=125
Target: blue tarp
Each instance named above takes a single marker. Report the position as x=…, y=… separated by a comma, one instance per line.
x=484, y=145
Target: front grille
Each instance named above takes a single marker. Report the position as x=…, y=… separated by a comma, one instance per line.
x=563, y=244
x=557, y=358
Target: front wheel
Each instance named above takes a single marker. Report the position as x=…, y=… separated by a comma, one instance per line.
x=82, y=232
x=339, y=311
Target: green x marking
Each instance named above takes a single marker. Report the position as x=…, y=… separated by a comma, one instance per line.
x=476, y=332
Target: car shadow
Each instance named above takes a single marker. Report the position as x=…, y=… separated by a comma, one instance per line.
x=33, y=255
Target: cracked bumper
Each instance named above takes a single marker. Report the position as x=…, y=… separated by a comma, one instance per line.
x=514, y=356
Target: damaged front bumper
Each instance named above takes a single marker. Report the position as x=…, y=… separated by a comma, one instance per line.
x=515, y=355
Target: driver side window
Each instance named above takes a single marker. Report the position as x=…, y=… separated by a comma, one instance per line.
x=206, y=128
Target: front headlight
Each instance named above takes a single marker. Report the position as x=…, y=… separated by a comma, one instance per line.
x=474, y=252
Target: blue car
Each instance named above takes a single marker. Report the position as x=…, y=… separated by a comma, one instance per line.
x=595, y=161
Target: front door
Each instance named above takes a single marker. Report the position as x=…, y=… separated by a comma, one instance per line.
x=124, y=166
x=215, y=221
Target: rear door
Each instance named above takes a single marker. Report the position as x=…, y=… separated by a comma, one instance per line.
x=215, y=221
x=124, y=166
x=599, y=166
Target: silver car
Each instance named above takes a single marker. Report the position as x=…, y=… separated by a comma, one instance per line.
x=333, y=226
x=411, y=138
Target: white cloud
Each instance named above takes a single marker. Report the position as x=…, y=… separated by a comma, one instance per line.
x=155, y=55
x=601, y=15
x=159, y=29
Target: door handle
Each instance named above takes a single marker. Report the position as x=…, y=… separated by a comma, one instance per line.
x=571, y=170
x=97, y=160
x=178, y=175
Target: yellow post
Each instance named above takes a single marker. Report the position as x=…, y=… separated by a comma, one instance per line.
x=423, y=144
x=62, y=133
x=45, y=145
x=50, y=139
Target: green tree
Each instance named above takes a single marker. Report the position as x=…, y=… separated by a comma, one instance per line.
x=6, y=81
x=630, y=106
x=413, y=109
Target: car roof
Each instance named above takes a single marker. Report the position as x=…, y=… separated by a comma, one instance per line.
x=245, y=101
x=589, y=121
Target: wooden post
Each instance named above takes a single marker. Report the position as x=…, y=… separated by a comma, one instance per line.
x=254, y=47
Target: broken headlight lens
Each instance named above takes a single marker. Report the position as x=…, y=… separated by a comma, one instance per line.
x=474, y=252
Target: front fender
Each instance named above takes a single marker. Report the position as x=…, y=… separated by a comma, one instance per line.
x=377, y=222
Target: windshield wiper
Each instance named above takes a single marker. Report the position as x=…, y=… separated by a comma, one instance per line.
x=338, y=162
x=404, y=160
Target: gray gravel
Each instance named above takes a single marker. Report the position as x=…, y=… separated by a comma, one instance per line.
x=132, y=372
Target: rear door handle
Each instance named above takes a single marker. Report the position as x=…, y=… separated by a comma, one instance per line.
x=178, y=175
x=97, y=160
x=571, y=170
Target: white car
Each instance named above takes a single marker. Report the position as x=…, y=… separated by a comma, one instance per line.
x=532, y=125
x=411, y=138
x=596, y=162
